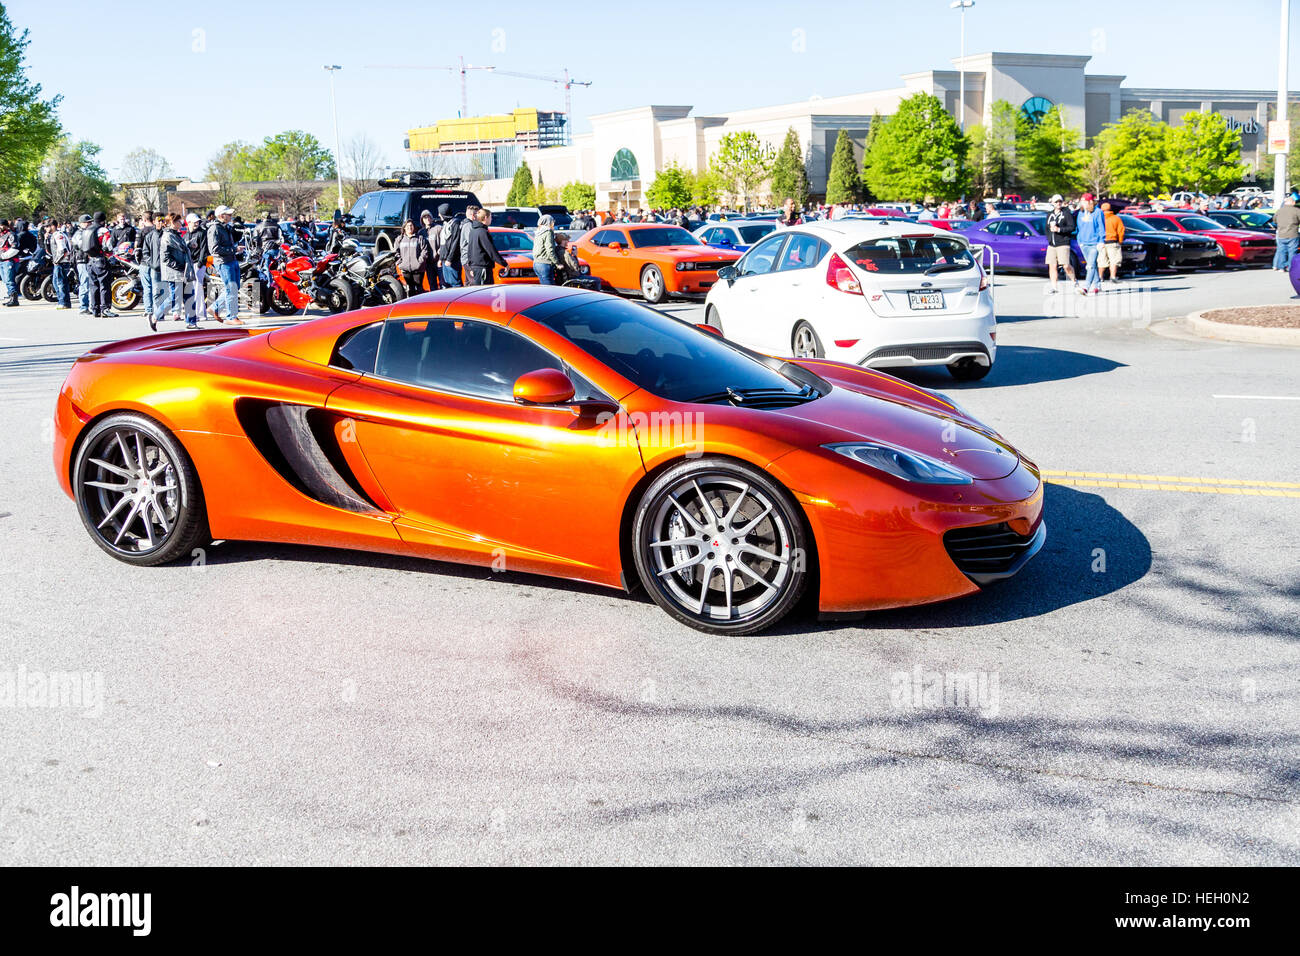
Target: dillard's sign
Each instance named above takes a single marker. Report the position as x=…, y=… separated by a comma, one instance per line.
x=1249, y=126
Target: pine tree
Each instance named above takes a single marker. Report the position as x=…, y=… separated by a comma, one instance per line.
x=522, y=187
x=843, y=184
x=789, y=178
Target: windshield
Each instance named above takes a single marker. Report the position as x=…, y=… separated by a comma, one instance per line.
x=661, y=236
x=1136, y=224
x=751, y=234
x=910, y=254
x=1199, y=222
x=518, y=218
x=666, y=357
x=512, y=241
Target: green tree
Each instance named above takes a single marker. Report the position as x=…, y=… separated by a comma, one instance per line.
x=520, y=187
x=73, y=182
x=1091, y=170
x=789, y=177
x=1202, y=154
x=578, y=195
x=671, y=188
x=1044, y=154
x=29, y=126
x=1136, y=146
x=919, y=153
x=294, y=154
x=877, y=122
x=742, y=165
x=842, y=183
x=991, y=154
x=706, y=187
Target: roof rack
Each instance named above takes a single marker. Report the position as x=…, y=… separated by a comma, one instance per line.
x=416, y=177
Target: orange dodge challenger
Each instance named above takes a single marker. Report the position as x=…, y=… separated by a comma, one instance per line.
x=658, y=260
x=576, y=433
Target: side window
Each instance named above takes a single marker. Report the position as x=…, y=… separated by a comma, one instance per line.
x=360, y=209
x=459, y=355
x=801, y=252
x=1015, y=229
x=709, y=235
x=602, y=237
x=391, y=206
x=760, y=259
x=357, y=348
x=996, y=228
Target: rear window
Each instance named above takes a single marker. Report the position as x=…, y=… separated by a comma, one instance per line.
x=900, y=255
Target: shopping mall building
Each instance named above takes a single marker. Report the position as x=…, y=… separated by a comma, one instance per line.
x=625, y=148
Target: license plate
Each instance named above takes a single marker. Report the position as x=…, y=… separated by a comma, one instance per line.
x=925, y=300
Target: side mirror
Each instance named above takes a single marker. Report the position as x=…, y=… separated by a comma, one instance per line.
x=615, y=247
x=545, y=386
x=708, y=328
x=728, y=274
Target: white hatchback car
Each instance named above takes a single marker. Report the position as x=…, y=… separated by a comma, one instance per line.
x=879, y=294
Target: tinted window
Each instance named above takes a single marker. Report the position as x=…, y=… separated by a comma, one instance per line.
x=1164, y=225
x=801, y=252
x=512, y=241
x=711, y=235
x=391, y=206
x=1136, y=224
x=606, y=236
x=751, y=234
x=458, y=355
x=1019, y=230
x=903, y=254
x=760, y=259
x=429, y=202
x=1199, y=222
x=662, y=236
x=363, y=204
x=519, y=219
x=356, y=349
x=669, y=358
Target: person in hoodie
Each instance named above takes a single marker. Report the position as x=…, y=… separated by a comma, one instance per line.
x=546, y=253
x=481, y=253
x=196, y=237
x=176, y=268
x=412, y=256
x=449, y=246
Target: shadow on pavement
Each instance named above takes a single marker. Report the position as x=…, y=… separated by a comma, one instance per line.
x=1016, y=365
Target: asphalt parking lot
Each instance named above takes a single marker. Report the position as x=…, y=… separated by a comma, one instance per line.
x=294, y=705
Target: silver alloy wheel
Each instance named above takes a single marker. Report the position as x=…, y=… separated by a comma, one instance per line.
x=805, y=342
x=721, y=547
x=652, y=285
x=132, y=492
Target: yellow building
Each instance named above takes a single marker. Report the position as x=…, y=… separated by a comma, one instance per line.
x=530, y=128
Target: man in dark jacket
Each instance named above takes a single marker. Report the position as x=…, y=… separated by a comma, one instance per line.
x=449, y=249
x=1061, y=228
x=268, y=236
x=146, y=274
x=481, y=252
x=221, y=246
x=196, y=237
x=93, y=246
x=432, y=225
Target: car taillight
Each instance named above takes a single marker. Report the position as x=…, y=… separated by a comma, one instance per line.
x=984, y=280
x=840, y=276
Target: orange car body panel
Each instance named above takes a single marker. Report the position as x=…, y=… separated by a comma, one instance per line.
x=621, y=268
x=540, y=488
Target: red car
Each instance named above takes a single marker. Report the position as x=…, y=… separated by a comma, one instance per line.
x=1238, y=245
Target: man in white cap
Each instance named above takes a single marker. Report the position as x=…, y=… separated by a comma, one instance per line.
x=221, y=246
x=1061, y=228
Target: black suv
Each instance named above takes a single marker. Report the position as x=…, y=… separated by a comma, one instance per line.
x=377, y=216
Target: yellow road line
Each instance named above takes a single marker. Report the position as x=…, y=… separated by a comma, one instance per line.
x=1179, y=479
x=1057, y=478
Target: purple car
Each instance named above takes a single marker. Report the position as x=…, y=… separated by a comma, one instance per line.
x=1021, y=244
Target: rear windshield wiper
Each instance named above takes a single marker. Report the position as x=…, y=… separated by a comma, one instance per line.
x=946, y=267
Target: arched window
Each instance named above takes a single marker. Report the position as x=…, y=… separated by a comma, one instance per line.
x=624, y=166
x=1035, y=108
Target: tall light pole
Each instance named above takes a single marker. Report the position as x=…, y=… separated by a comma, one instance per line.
x=962, y=5
x=1283, y=114
x=338, y=152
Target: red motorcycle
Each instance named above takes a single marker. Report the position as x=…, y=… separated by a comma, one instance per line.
x=298, y=282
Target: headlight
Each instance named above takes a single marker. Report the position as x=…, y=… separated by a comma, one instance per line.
x=907, y=465
x=687, y=266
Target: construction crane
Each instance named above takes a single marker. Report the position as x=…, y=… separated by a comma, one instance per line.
x=565, y=81
x=463, y=70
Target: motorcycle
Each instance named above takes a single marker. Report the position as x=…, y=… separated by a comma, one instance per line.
x=300, y=282
x=252, y=289
x=372, y=277
x=125, y=288
x=34, y=272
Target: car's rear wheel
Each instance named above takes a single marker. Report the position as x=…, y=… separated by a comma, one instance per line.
x=968, y=370
x=137, y=491
x=652, y=285
x=804, y=342
x=720, y=546
x=712, y=319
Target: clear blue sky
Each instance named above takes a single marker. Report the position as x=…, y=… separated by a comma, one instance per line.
x=148, y=79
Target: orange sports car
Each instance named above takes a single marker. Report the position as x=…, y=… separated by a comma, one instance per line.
x=658, y=260
x=561, y=432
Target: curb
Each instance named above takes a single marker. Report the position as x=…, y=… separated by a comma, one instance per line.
x=1207, y=328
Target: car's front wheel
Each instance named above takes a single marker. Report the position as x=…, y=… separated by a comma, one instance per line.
x=720, y=546
x=137, y=491
x=652, y=285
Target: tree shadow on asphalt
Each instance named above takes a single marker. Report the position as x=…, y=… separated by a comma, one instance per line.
x=1016, y=365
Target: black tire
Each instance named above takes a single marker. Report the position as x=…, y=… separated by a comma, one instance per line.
x=166, y=485
x=125, y=294
x=389, y=290
x=968, y=370
x=280, y=302
x=29, y=286
x=672, y=510
x=342, y=297
x=805, y=337
x=47, y=290
x=653, y=289
x=712, y=319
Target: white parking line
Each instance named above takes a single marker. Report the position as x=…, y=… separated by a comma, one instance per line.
x=9, y=338
x=1263, y=398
